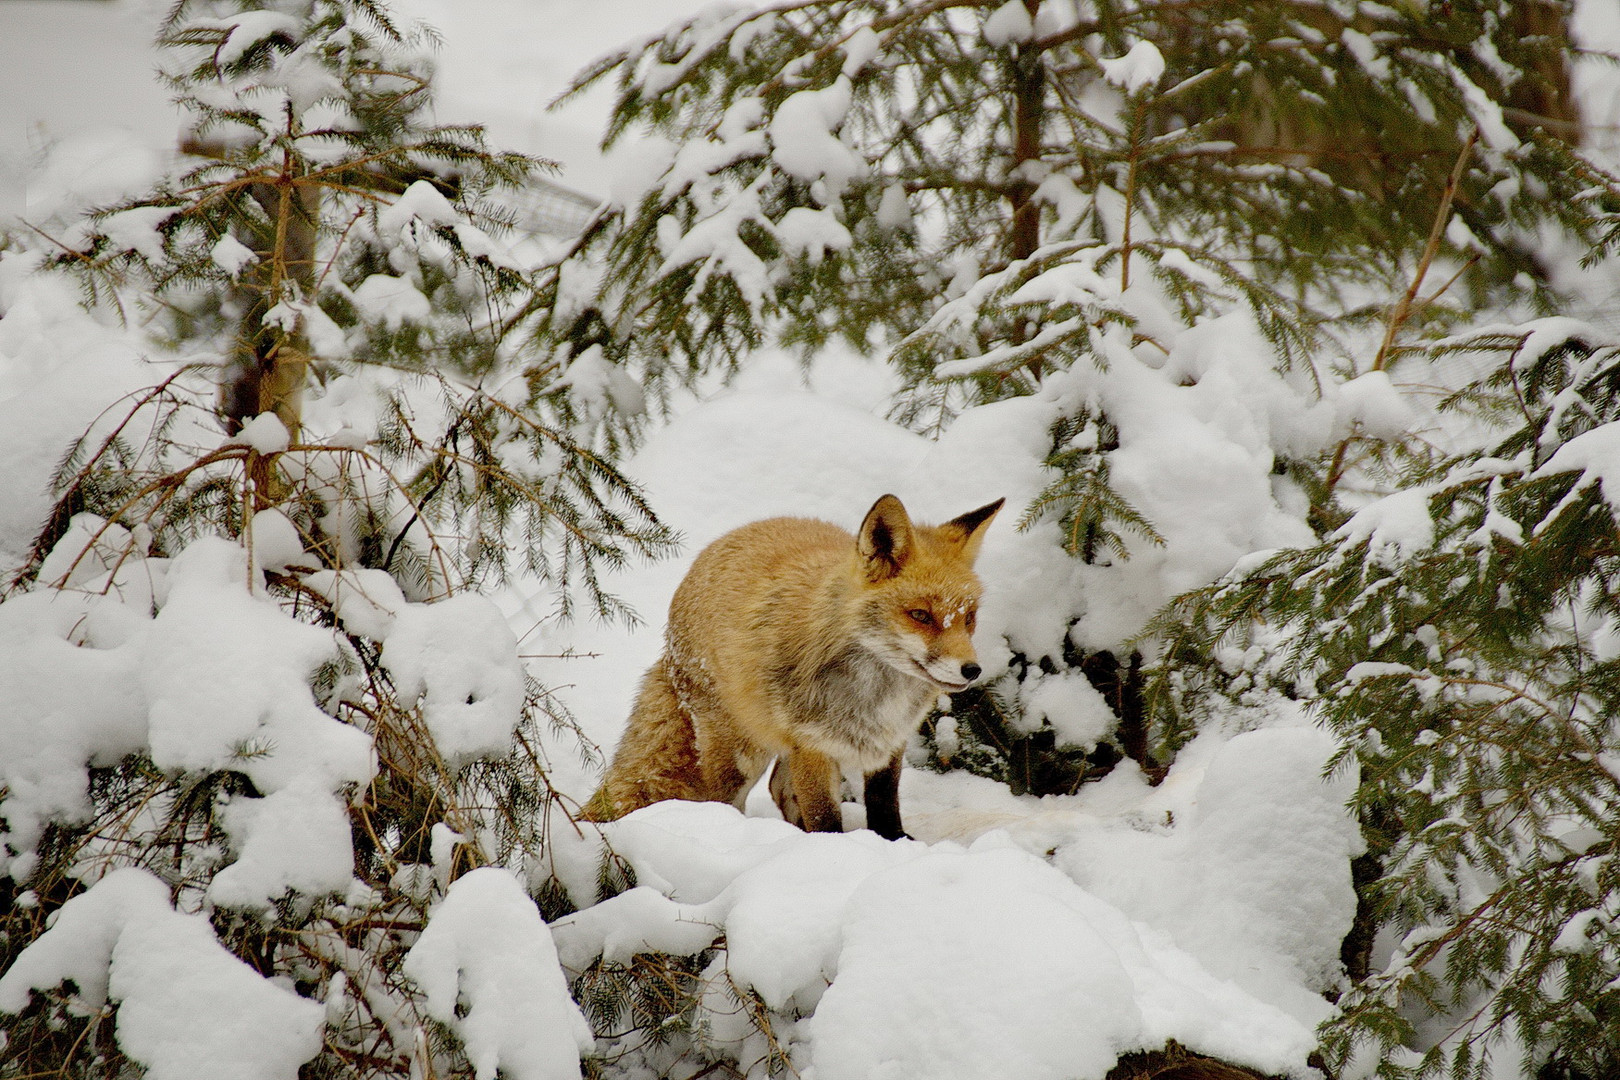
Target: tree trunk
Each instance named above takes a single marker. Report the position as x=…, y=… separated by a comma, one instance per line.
x=1029, y=117
x=269, y=365
x=266, y=373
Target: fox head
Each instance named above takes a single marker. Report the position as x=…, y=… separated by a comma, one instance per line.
x=919, y=594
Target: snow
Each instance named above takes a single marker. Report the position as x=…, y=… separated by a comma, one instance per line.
x=97, y=155
x=1374, y=402
x=478, y=244
x=256, y=713
x=187, y=1007
x=265, y=434
x=893, y=211
x=803, y=139
x=1543, y=335
x=137, y=230
x=59, y=372
x=247, y=29
x=860, y=48
x=91, y=548
x=1196, y=460
x=1365, y=52
x=1000, y=930
x=1138, y=69
x=118, y=680
x=232, y=256
x=459, y=657
x=637, y=921
x=989, y=951
x=1595, y=454
x=1486, y=114
x=366, y=601
x=421, y=201
x=326, y=338
x=1071, y=705
x=295, y=838
x=1395, y=528
x=1594, y=26
x=598, y=384
x=1253, y=876
x=1008, y=24
x=65, y=705
x=714, y=239
x=812, y=233
x=276, y=543
x=489, y=971
x=392, y=301
x=996, y=953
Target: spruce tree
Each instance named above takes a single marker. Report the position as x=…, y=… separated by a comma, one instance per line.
x=1458, y=635
x=322, y=231
x=316, y=738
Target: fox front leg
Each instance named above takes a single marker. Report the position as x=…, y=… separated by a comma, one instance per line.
x=804, y=786
x=883, y=800
x=782, y=794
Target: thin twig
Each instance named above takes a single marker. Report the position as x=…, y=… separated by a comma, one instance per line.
x=1403, y=307
x=1402, y=311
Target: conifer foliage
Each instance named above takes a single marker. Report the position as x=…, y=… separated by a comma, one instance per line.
x=312, y=733
x=1459, y=636
x=834, y=165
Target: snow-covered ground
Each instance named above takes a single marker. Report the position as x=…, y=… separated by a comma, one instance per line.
x=1016, y=936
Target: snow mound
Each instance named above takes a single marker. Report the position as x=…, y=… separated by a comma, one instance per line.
x=1246, y=866
x=489, y=970
x=1137, y=69
x=366, y=601
x=254, y=713
x=997, y=956
x=460, y=658
x=804, y=141
x=989, y=952
x=187, y=1007
x=64, y=704
x=295, y=838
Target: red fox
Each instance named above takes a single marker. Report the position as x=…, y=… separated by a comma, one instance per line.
x=791, y=639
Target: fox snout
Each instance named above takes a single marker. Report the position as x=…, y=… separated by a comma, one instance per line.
x=949, y=673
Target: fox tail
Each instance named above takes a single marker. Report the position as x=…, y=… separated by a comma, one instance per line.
x=657, y=757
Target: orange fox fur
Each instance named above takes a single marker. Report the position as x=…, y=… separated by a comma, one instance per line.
x=791, y=639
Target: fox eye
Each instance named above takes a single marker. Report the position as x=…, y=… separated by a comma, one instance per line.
x=972, y=617
x=920, y=617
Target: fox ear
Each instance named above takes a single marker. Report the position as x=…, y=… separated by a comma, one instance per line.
x=886, y=538
x=968, y=530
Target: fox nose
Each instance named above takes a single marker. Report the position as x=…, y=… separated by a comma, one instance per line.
x=971, y=671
